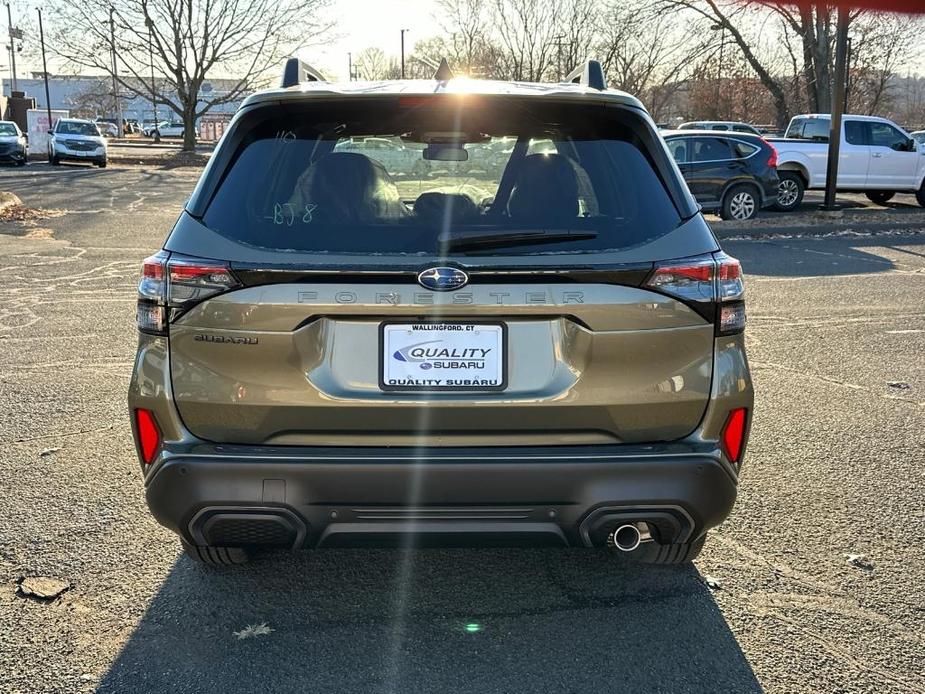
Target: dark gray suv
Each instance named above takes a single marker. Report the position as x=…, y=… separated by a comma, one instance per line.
x=520, y=331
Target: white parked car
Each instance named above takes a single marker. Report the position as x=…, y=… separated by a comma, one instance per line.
x=725, y=125
x=169, y=129
x=107, y=129
x=877, y=157
x=73, y=139
x=391, y=153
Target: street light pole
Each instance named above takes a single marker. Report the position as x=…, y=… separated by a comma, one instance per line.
x=9, y=19
x=403, y=53
x=44, y=69
x=156, y=131
x=115, y=72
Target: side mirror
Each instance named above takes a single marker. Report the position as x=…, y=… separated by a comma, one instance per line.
x=51, y=132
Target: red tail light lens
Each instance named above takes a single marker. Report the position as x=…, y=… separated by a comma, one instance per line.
x=689, y=281
x=175, y=284
x=151, y=313
x=149, y=436
x=192, y=280
x=772, y=160
x=734, y=434
x=713, y=286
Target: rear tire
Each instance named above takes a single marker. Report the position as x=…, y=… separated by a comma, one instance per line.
x=670, y=555
x=101, y=164
x=790, y=192
x=920, y=195
x=216, y=556
x=54, y=161
x=740, y=204
x=880, y=197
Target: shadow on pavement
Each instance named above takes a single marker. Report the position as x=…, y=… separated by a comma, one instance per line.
x=820, y=256
x=433, y=621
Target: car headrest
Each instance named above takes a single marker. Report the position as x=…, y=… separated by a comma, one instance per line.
x=346, y=187
x=546, y=189
x=437, y=207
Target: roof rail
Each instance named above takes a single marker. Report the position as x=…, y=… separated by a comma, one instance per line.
x=590, y=74
x=295, y=72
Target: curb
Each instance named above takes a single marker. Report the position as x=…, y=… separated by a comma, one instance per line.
x=827, y=229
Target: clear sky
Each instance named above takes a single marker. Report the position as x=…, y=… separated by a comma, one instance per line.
x=364, y=23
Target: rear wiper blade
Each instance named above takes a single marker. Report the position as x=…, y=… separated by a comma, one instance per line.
x=527, y=237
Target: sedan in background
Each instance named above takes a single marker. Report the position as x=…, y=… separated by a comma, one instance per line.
x=919, y=137
x=12, y=143
x=732, y=174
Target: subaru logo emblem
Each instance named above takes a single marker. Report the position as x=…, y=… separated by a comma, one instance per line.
x=443, y=279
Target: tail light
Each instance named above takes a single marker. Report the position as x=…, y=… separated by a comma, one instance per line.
x=149, y=435
x=712, y=285
x=170, y=285
x=772, y=160
x=734, y=434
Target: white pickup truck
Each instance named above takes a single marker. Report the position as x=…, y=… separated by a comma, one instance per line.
x=877, y=157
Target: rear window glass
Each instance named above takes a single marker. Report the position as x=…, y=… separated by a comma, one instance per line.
x=415, y=174
x=744, y=150
x=809, y=129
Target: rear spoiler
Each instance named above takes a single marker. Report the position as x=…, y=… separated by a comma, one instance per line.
x=295, y=72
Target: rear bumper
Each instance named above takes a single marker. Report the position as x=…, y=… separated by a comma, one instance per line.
x=567, y=496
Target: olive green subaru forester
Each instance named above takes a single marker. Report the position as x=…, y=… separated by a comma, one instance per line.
x=441, y=311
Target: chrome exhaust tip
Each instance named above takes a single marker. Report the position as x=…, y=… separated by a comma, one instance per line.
x=629, y=536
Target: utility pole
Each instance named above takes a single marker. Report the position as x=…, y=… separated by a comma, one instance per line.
x=115, y=72
x=558, y=41
x=156, y=131
x=13, y=34
x=838, y=109
x=403, y=53
x=350, y=67
x=45, y=69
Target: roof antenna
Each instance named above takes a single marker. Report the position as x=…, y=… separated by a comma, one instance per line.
x=444, y=73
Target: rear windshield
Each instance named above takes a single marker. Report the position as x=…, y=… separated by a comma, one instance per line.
x=816, y=129
x=70, y=128
x=416, y=174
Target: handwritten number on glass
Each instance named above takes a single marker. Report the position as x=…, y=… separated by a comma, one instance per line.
x=285, y=214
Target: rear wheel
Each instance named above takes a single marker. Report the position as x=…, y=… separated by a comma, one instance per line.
x=740, y=204
x=216, y=556
x=53, y=160
x=920, y=196
x=880, y=197
x=101, y=164
x=790, y=191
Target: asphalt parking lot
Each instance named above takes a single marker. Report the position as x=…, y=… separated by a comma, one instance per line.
x=816, y=583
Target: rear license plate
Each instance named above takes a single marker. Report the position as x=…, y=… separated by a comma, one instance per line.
x=443, y=356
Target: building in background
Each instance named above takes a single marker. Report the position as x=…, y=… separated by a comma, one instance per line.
x=90, y=96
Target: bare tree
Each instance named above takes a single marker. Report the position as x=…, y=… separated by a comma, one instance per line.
x=647, y=52
x=373, y=64
x=183, y=42
x=881, y=46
